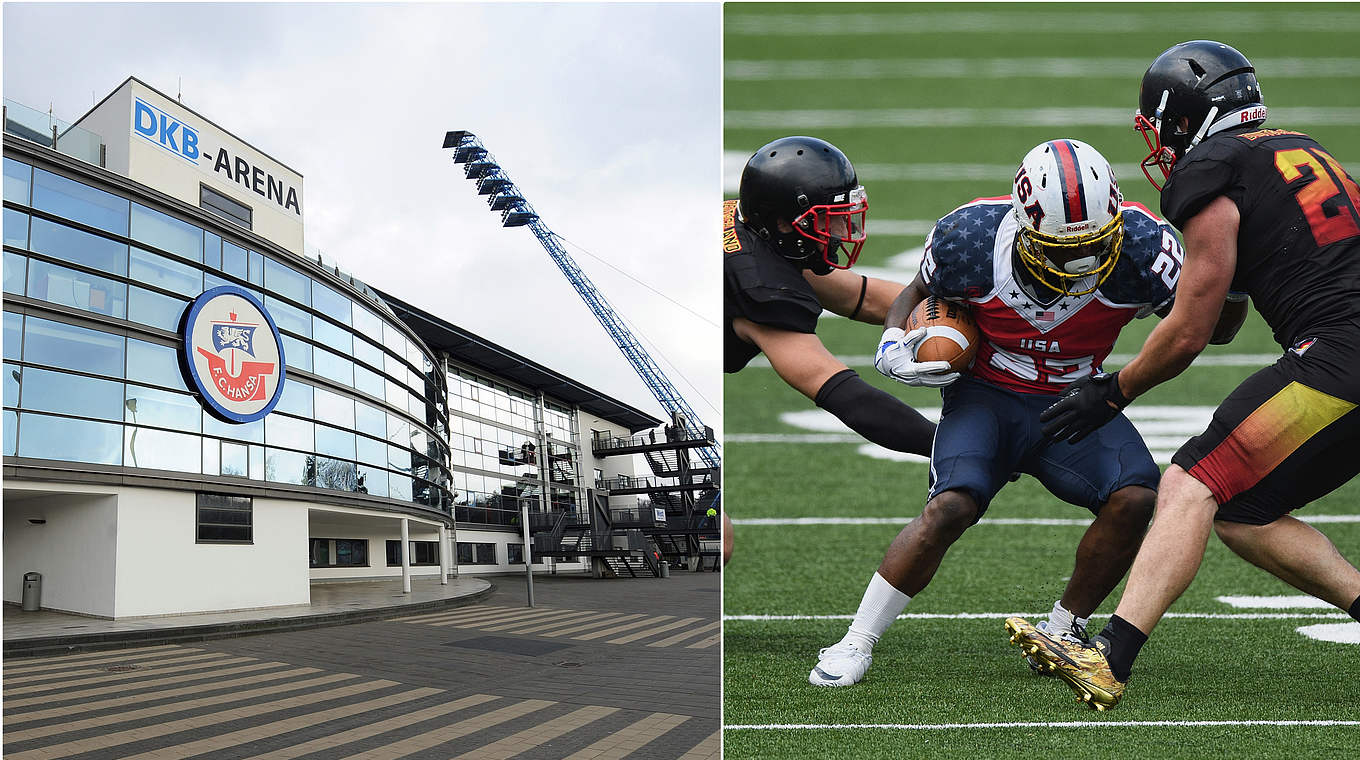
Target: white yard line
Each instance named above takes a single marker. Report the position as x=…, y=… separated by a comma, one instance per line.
x=1041, y=615
x=1032, y=521
x=1096, y=21
x=1001, y=68
x=1044, y=724
x=787, y=120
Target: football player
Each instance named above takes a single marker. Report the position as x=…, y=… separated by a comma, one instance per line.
x=1268, y=213
x=1051, y=273
x=800, y=209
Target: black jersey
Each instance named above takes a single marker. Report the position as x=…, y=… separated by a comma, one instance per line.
x=1298, y=244
x=762, y=286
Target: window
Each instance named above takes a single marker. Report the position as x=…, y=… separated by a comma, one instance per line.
x=515, y=553
x=476, y=554
x=150, y=268
x=289, y=317
x=234, y=260
x=348, y=552
x=297, y=354
x=76, y=289
x=331, y=303
x=287, y=282
x=18, y=178
x=71, y=347
x=70, y=440
x=328, y=334
x=16, y=229
x=16, y=272
x=166, y=233
x=77, y=247
x=423, y=553
x=64, y=393
x=154, y=364
x=155, y=309
x=162, y=450
x=225, y=519
x=72, y=200
x=227, y=208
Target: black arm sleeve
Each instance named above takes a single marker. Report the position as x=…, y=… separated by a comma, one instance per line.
x=878, y=416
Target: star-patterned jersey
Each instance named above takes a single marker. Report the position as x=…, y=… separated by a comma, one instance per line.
x=1031, y=347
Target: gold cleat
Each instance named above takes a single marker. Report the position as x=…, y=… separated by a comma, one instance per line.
x=1085, y=669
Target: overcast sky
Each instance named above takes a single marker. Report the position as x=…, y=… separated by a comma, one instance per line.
x=607, y=117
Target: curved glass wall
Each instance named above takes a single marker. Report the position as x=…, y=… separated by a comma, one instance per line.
x=498, y=459
x=92, y=375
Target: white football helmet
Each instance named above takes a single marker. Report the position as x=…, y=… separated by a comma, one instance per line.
x=1067, y=201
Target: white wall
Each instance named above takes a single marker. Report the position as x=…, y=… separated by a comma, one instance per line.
x=377, y=534
x=162, y=570
x=74, y=550
x=501, y=540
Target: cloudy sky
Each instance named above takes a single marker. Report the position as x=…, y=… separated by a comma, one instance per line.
x=607, y=117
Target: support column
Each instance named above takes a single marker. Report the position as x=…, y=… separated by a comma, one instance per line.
x=405, y=556
x=443, y=555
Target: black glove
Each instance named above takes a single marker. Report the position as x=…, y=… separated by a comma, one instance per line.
x=1086, y=405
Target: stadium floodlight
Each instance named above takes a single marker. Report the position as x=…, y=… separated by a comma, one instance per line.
x=453, y=138
x=479, y=169
x=504, y=201
x=512, y=218
x=492, y=185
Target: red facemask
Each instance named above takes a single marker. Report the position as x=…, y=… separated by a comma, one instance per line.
x=833, y=225
x=1158, y=156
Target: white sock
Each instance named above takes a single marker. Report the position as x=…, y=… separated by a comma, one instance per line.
x=877, y=610
x=1061, y=620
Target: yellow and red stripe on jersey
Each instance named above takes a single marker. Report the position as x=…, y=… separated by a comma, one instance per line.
x=1267, y=437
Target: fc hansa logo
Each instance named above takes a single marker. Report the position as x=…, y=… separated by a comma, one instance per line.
x=233, y=354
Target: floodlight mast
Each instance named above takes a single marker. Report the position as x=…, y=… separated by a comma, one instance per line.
x=505, y=197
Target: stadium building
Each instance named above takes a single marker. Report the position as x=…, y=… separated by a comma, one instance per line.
x=200, y=415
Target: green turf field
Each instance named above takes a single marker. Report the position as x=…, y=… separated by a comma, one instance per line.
x=936, y=104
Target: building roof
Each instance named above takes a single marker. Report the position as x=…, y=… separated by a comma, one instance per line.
x=501, y=362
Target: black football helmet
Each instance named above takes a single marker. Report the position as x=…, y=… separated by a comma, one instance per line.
x=810, y=186
x=1210, y=84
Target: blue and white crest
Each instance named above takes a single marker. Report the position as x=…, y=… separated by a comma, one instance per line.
x=227, y=335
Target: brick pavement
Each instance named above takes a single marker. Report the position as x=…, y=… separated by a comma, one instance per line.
x=632, y=672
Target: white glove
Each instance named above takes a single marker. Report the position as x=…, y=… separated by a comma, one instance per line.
x=896, y=358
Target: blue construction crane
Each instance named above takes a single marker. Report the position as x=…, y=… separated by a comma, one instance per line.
x=481, y=167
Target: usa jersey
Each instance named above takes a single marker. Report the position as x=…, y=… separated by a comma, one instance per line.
x=1030, y=347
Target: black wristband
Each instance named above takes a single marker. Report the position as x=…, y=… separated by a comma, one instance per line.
x=863, y=288
x=878, y=416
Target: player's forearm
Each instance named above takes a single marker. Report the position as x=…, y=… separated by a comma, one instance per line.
x=1166, y=354
x=879, y=297
x=878, y=416
x=904, y=303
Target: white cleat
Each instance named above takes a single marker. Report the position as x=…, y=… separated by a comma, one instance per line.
x=841, y=664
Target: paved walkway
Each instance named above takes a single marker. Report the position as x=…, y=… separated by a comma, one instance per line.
x=597, y=670
x=47, y=632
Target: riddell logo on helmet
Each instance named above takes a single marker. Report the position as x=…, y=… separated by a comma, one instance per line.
x=1252, y=114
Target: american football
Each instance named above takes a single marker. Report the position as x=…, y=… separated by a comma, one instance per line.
x=951, y=333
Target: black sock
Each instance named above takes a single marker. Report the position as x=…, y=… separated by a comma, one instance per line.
x=1123, y=641
x=1355, y=609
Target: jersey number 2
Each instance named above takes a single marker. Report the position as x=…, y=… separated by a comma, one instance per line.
x=1331, y=211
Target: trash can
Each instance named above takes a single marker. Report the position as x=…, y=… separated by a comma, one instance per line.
x=32, y=600
x=665, y=569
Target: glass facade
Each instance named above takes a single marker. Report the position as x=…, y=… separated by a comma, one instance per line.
x=499, y=458
x=95, y=286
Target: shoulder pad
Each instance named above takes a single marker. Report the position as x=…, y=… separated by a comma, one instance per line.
x=1139, y=278
x=958, y=258
x=764, y=288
